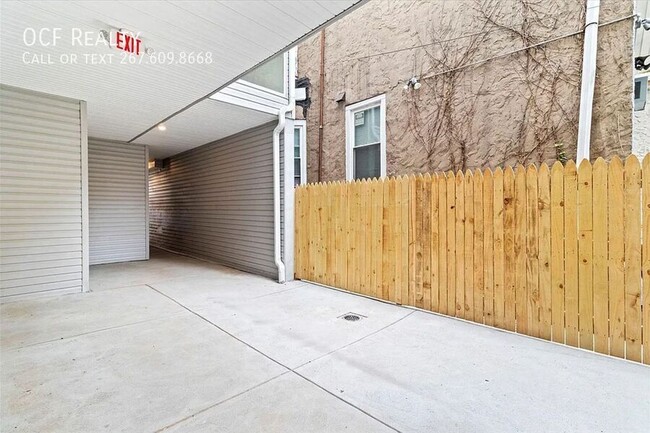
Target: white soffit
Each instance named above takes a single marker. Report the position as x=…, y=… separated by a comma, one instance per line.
x=202, y=123
x=124, y=100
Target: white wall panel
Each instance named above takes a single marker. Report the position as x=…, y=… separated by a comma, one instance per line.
x=40, y=193
x=216, y=202
x=117, y=180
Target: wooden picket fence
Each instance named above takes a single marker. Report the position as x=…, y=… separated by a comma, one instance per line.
x=552, y=253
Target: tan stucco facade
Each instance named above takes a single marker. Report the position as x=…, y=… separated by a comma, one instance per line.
x=485, y=100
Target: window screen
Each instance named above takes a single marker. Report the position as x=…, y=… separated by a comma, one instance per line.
x=366, y=148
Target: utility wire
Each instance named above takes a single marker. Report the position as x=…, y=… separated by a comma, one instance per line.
x=416, y=46
x=480, y=62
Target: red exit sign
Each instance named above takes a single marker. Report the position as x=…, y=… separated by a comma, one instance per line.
x=128, y=43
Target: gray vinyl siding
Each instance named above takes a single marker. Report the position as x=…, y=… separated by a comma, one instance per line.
x=117, y=189
x=216, y=202
x=40, y=193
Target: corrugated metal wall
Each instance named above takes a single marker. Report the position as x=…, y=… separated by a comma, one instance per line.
x=117, y=189
x=216, y=202
x=40, y=193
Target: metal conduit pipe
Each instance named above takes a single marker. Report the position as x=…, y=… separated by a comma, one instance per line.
x=588, y=80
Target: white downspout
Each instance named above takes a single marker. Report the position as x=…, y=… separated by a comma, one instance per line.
x=277, y=229
x=588, y=79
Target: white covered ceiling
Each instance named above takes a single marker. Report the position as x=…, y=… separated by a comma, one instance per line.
x=124, y=100
x=207, y=121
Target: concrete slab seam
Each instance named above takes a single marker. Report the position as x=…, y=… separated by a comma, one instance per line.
x=279, y=291
x=175, y=423
x=279, y=363
x=355, y=341
x=110, y=328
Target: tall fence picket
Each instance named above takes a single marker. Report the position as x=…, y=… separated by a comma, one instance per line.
x=521, y=298
x=600, y=247
x=571, y=254
x=460, y=245
x=508, y=281
x=585, y=260
x=479, y=238
x=557, y=253
x=468, y=221
x=616, y=260
x=451, y=244
x=488, y=247
x=645, y=301
x=500, y=265
x=545, y=285
x=443, y=254
x=632, y=187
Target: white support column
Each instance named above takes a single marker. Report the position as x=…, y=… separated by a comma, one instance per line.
x=289, y=192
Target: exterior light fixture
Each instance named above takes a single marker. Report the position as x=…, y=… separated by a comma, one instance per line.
x=413, y=83
x=162, y=127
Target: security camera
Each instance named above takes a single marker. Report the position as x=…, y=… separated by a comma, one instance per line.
x=642, y=63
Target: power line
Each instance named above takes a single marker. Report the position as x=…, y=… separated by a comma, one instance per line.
x=416, y=46
x=479, y=33
x=480, y=62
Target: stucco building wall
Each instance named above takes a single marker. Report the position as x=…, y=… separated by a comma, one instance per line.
x=514, y=107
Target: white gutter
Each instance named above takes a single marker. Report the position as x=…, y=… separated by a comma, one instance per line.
x=588, y=79
x=277, y=224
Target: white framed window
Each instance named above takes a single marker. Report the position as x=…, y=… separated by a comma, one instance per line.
x=299, y=152
x=365, y=139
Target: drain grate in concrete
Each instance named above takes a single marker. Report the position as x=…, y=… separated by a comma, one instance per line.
x=352, y=317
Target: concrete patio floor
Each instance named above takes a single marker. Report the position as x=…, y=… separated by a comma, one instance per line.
x=176, y=344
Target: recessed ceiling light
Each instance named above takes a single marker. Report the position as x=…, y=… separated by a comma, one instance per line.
x=162, y=127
